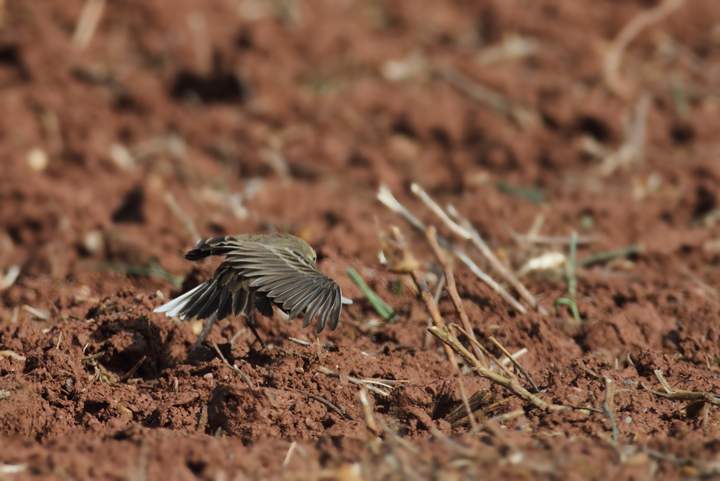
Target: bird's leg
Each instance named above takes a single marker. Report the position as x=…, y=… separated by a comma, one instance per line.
x=205, y=330
x=251, y=324
x=250, y=319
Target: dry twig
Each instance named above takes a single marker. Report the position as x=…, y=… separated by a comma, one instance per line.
x=367, y=383
x=232, y=366
x=520, y=115
x=544, y=239
x=607, y=406
x=511, y=385
x=434, y=312
x=132, y=371
x=495, y=262
x=493, y=359
x=291, y=449
x=87, y=23
x=431, y=235
x=385, y=196
x=343, y=414
x=467, y=232
x=498, y=419
x=373, y=430
x=515, y=363
x=180, y=214
x=436, y=298
x=614, y=54
x=633, y=149
x=37, y=313
x=466, y=403
x=401, y=260
x=682, y=395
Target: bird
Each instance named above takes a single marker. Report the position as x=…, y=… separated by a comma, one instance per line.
x=259, y=271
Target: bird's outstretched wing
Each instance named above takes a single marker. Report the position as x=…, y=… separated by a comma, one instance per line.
x=290, y=280
x=281, y=273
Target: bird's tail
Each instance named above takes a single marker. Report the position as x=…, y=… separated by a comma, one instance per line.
x=208, y=298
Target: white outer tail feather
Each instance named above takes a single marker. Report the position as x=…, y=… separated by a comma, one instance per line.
x=174, y=307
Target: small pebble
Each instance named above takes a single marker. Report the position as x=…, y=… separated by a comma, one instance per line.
x=93, y=241
x=208, y=376
x=628, y=420
x=37, y=159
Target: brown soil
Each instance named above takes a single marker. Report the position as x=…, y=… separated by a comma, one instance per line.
x=184, y=118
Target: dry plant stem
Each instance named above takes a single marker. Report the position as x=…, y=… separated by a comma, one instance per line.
x=92, y=357
x=57, y=312
x=544, y=239
x=391, y=436
x=435, y=208
x=236, y=335
x=614, y=54
x=288, y=456
x=367, y=412
x=15, y=355
x=87, y=23
x=487, y=279
x=468, y=410
x=681, y=395
x=587, y=370
x=452, y=445
x=325, y=402
x=467, y=232
x=638, y=127
x=359, y=382
x=431, y=235
x=180, y=214
x=498, y=419
x=132, y=371
x=436, y=298
x=519, y=115
x=515, y=363
x=501, y=269
x=500, y=365
x=511, y=385
x=232, y=366
x=36, y=312
x=434, y=313
x=607, y=407
x=386, y=197
x=633, y=148
x=516, y=356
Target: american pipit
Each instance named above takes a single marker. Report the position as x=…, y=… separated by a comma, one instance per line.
x=259, y=270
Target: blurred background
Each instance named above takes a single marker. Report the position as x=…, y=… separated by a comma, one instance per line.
x=130, y=129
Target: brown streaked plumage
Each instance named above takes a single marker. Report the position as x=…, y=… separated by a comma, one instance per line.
x=259, y=270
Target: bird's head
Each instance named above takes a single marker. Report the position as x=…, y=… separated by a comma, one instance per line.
x=308, y=251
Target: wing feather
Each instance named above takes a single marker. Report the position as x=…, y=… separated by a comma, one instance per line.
x=324, y=310
x=313, y=308
x=282, y=274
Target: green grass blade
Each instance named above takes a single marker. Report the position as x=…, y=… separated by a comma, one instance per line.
x=380, y=306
